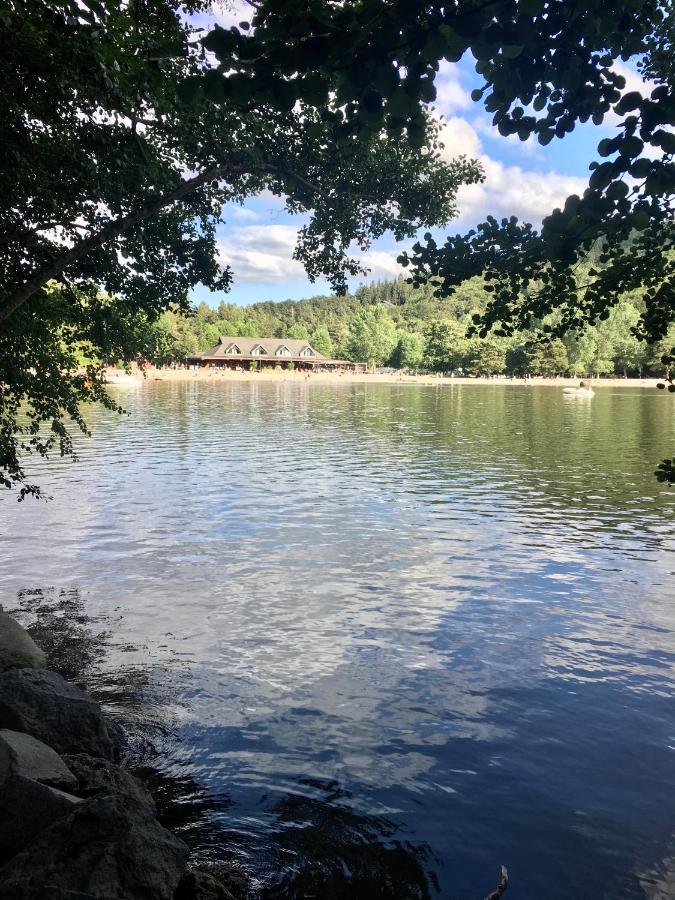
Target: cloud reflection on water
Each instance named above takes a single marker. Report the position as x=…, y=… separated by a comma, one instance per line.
x=454, y=603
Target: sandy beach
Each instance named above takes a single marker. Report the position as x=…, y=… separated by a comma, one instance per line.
x=221, y=375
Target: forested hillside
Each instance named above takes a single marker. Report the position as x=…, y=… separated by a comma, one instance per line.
x=392, y=323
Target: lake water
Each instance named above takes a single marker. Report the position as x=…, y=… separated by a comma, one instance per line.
x=377, y=640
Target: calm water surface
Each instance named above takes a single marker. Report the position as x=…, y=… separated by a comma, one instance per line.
x=386, y=638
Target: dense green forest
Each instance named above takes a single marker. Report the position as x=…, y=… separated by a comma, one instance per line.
x=391, y=323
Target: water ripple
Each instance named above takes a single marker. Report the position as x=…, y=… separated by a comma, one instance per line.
x=407, y=633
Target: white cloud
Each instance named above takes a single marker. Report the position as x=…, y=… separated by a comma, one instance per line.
x=242, y=214
x=227, y=13
x=262, y=253
x=513, y=191
x=459, y=138
x=507, y=190
x=451, y=95
x=380, y=264
x=529, y=147
x=634, y=81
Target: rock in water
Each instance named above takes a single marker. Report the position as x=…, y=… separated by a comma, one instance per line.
x=199, y=885
x=46, y=706
x=99, y=776
x=21, y=754
x=18, y=650
x=108, y=847
x=27, y=808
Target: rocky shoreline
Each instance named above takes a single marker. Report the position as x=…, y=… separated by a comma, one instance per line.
x=74, y=822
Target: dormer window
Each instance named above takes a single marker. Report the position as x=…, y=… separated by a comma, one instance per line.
x=283, y=351
x=306, y=351
x=233, y=349
x=258, y=350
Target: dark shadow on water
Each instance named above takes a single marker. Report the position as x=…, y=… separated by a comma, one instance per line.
x=315, y=844
x=78, y=646
x=59, y=625
x=325, y=849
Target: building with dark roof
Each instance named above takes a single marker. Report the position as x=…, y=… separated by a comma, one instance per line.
x=283, y=353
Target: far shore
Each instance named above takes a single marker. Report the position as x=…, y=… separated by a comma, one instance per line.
x=213, y=375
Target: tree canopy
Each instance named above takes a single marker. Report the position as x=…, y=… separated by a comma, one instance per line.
x=126, y=130
x=427, y=332
x=372, y=335
x=619, y=235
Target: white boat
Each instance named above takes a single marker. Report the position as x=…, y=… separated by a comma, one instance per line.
x=121, y=379
x=579, y=391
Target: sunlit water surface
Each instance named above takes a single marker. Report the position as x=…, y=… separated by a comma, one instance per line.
x=382, y=639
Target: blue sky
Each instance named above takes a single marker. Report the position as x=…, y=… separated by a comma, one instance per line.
x=522, y=179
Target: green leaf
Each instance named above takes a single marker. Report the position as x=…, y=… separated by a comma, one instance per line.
x=427, y=91
x=640, y=219
x=400, y=104
x=436, y=45
x=214, y=86
x=416, y=135
x=221, y=42
x=455, y=44
x=631, y=146
x=666, y=140
x=313, y=90
x=190, y=89
x=628, y=103
x=530, y=7
x=641, y=168
x=512, y=51
x=606, y=147
x=617, y=190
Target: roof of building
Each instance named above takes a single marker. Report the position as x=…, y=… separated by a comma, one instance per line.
x=247, y=348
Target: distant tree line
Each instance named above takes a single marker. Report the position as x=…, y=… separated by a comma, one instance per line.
x=391, y=323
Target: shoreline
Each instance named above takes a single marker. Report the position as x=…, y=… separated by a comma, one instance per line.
x=75, y=818
x=136, y=377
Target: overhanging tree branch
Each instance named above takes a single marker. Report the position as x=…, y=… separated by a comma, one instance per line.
x=119, y=226
x=110, y=231
x=123, y=223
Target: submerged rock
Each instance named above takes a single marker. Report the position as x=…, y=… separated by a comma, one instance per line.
x=100, y=776
x=219, y=883
x=108, y=847
x=195, y=885
x=27, y=808
x=50, y=709
x=21, y=754
x=18, y=650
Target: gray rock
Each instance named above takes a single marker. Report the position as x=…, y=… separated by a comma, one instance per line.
x=27, y=808
x=46, y=706
x=99, y=776
x=22, y=754
x=221, y=884
x=108, y=847
x=18, y=650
